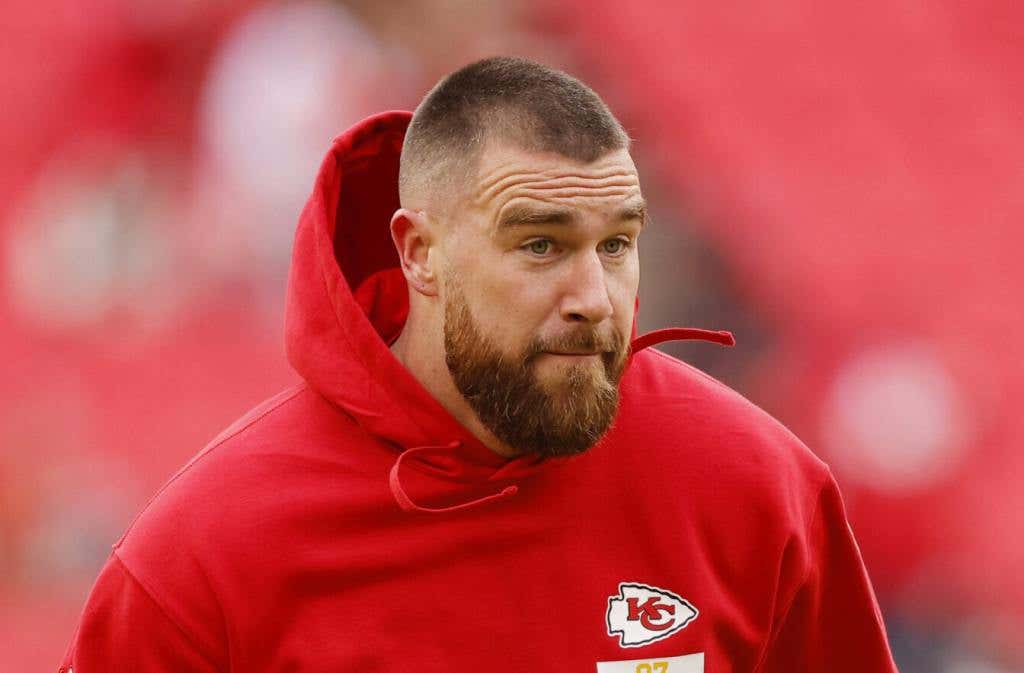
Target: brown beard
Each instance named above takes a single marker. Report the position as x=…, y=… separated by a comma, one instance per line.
x=514, y=405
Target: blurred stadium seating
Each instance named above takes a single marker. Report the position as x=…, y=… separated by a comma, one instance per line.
x=839, y=184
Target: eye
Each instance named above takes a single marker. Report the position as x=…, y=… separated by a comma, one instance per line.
x=540, y=247
x=614, y=246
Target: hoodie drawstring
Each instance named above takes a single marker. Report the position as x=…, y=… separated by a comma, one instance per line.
x=407, y=504
x=680, y=334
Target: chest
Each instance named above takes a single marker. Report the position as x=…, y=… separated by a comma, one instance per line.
x=542, y=585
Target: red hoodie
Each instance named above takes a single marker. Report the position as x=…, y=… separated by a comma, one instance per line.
x=351, y=524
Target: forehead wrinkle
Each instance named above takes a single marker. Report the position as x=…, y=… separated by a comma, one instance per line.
x=513, y=170
x=555, y=193
x=549, y=206
x=605, y=165
x=512, y=173
x=560, y=186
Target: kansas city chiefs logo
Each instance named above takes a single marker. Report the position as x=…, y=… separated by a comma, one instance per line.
x=641, y=614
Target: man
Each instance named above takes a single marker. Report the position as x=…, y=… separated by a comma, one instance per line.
x=481, y=471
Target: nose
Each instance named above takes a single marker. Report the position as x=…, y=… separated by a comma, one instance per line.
x=586, y=293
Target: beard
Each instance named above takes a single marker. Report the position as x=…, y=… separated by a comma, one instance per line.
x=562, y=417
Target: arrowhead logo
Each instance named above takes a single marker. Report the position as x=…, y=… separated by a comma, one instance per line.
x=642, y=614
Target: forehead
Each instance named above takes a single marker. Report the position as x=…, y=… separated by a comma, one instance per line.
x=509, y=175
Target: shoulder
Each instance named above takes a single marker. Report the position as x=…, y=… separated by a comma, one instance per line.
x=220, y=510
x=277, y=426
x=695, y=423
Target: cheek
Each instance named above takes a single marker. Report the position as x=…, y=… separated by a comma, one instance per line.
x=622, y=291
x=513, y=311
x=505, y=304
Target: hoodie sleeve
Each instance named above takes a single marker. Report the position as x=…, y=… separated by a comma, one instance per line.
x=832, y=622
x=123, y=629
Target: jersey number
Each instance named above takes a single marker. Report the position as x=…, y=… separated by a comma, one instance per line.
x=653, y=667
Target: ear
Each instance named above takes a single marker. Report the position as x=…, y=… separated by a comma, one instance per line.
x=413, y=236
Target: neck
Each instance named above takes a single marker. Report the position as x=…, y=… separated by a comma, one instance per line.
x=424, y=358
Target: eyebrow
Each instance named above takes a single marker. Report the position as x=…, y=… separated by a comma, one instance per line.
x=636, y=210
x=524, y=216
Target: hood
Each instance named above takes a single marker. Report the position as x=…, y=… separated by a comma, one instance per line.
x=347, y=297
x=348, y=300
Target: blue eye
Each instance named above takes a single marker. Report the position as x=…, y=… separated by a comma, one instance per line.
x=539, y=247
x=615, y=246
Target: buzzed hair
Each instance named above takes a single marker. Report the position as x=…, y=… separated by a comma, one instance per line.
x=502, y=98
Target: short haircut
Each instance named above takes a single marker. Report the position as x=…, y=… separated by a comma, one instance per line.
x=502, y=98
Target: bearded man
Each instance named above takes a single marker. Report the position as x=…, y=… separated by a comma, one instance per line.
x=481, y=470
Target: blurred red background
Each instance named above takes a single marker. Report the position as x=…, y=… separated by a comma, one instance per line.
x=840, y=185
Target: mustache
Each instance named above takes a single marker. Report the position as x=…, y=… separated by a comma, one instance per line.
x=586, y=340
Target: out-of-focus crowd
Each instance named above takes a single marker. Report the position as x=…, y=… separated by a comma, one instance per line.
x=840, y=186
